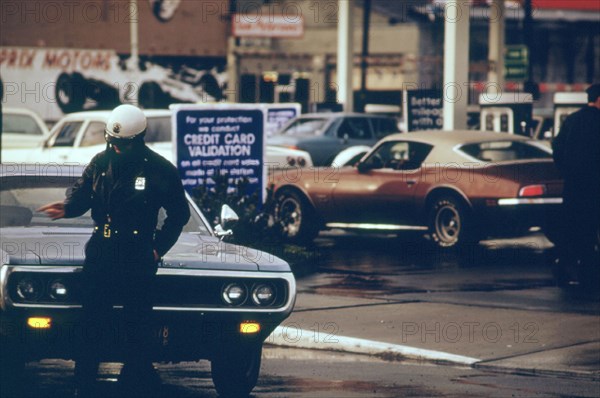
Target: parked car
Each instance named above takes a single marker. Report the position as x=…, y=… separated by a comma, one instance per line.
x=22, y=128
x=77, y=137
x=458, y=186
x=213, y=300
x=324, y=135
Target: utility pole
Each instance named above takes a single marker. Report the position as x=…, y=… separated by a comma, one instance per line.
x=529, y=86
x=456, y=64
x=364, y=63
x=496, y=48
x=345, y=55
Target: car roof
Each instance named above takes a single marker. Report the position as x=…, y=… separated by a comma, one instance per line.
x=454, y=137
x=10, y=109
x=105, y=114
x=333, y=115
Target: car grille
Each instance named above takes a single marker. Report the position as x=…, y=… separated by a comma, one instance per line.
x=170, y=291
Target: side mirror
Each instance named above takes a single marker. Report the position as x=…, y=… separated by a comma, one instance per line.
x=362, y=167
x=373, y=162
x=228, y=216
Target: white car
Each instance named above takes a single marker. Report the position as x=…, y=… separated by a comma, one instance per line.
x=78, y=136
x=22, y=128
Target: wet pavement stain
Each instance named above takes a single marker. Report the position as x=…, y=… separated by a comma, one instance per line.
x=341, y=388
x=363, y=286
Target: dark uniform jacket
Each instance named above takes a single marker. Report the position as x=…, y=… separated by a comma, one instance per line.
x=125, y=195
x=576, y=152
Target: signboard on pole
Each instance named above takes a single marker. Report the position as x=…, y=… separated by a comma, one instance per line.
x=423, y=110
x=516, y=62
x=274, y=26
x=220, y=140
x=279, y=114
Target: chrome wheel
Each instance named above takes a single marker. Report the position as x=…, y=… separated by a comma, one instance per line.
x=290, y=215
x=448, y=225
x=296, y=217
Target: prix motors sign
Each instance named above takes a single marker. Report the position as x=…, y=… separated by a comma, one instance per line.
x=274, y=26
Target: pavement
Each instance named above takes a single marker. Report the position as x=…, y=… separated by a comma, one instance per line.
x=506, y=339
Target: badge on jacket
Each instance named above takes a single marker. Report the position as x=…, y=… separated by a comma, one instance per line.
x=140, y=183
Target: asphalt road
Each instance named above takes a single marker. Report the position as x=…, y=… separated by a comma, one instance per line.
x=504, y=274
x=305, y=373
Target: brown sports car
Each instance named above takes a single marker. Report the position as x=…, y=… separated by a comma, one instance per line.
x=458, y=187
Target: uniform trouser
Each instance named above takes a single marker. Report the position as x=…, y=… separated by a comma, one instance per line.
x=115, y=273
x=579, y=237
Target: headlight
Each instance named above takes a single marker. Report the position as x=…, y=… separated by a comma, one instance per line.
x=234, y=294
x=29, y=289
x=58, y=290
x=263, y=295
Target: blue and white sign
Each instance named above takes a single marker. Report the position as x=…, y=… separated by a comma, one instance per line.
x=279, y=114
x=423, y=109
x=226, y=139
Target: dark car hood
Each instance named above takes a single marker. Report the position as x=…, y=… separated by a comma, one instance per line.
x=65, y=246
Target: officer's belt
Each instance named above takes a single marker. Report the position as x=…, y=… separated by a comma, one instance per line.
x=109, y=231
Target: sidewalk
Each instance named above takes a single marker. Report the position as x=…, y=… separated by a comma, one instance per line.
x=509, y=340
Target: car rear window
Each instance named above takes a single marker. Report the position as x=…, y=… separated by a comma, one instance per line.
x=305, y=127
x=501, y=151
x=158, y=129
x=384, y=126
x=20, y=124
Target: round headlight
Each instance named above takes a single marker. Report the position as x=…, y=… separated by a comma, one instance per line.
x=29, y=289
x=234, y=294
x=58, y=290
x=263, y=295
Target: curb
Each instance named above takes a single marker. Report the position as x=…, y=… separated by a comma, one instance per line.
x=310, y=339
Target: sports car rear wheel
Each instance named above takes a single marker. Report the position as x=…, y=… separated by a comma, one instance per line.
x=235, y=372
x=297, y=217
x=448, y=223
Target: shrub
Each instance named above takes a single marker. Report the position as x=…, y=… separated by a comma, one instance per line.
x=257, y=227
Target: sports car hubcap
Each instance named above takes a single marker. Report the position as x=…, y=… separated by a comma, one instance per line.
x=290, y=215
x=447, y=224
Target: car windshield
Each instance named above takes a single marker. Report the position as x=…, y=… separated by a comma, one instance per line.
x=500, y=151
x=159, y=129
x=20, y=124
x=20, y=197
x=305, y=126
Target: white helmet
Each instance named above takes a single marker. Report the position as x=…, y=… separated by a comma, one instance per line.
x=126, y=121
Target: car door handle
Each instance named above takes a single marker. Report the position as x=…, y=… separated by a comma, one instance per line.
x=411, y=182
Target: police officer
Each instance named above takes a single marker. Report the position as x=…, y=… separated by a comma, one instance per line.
x=576, y=152
x=125, y=186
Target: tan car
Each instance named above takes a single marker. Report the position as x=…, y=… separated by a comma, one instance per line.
x=458, y=187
